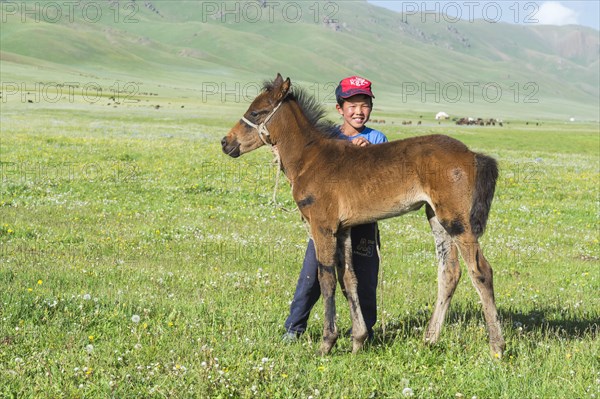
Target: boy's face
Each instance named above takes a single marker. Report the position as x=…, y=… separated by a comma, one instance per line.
x=356, y=110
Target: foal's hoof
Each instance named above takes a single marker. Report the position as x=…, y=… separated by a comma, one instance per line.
x=325, y=348
x=497, y=349
x=356, y=346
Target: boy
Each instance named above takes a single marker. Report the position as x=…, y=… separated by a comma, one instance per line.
x=354, y=103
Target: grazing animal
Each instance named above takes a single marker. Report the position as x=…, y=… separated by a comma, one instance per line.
x=455, y=185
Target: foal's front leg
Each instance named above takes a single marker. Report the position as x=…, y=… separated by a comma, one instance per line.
x=349, y=285
x=325, y=245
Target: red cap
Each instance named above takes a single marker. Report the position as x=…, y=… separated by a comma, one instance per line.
x=352, y=86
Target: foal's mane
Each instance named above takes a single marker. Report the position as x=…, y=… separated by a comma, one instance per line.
x=312, y=109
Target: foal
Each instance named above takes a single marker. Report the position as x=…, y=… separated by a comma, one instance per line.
x=455, y=185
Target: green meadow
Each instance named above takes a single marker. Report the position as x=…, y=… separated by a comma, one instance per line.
x=137, y=260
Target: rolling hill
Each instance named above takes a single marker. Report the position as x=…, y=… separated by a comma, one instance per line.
x=215, y=51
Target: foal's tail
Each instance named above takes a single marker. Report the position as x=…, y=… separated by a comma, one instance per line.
x=485, y=185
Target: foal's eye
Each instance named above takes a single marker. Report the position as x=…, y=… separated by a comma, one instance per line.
x=254, y=114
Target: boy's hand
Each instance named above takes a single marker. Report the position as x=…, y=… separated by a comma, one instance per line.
x=360, y=141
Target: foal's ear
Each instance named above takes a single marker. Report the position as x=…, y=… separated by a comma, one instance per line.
x=283, y=89
x=278, y=80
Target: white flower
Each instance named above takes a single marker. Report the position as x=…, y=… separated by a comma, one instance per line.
x=265, y=359
x=87, y=297
x=135, y=318
x=89, y=348
x=407, y=392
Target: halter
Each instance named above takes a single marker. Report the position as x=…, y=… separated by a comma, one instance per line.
x=262, y=127
x=263, y=131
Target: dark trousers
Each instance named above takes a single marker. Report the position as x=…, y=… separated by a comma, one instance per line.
x=366, y=267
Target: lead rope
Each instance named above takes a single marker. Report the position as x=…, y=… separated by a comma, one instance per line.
x=278, y=161
x=381, y=290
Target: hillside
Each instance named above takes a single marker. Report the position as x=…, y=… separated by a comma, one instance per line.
x=533, y=71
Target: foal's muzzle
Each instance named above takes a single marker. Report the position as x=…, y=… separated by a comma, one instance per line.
x=232, y=149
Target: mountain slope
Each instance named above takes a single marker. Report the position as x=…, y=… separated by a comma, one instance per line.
x=412, y=64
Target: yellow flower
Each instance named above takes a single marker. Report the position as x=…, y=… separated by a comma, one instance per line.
x=29, y=289
x=91, y=338
x=40, y=282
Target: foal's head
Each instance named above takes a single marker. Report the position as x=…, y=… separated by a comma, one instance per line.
x=251, y=132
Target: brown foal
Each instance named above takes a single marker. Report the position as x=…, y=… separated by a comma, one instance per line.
x=337, y=185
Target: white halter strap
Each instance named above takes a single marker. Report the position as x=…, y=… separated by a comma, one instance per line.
x=262, y=127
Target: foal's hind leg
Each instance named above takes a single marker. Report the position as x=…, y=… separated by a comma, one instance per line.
x=448, y=275
x=480, y=272
x=349, y=285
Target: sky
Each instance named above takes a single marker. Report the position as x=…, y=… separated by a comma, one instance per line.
x=563, y=12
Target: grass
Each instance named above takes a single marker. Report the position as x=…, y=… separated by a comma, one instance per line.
x=139, y=261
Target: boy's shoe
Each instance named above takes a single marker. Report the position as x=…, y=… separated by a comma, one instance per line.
x=290, y=337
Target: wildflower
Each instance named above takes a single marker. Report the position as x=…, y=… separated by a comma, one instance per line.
x=135, y=318
x=87, y=297
x=89, y=348
x=407, y=392
x=40, y=282
x=91, y=338
x=18, y=360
